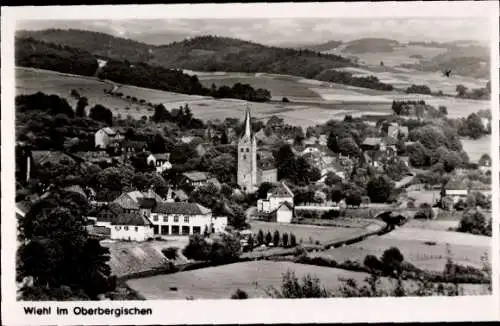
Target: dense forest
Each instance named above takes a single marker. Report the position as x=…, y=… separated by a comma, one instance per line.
x=212, y=53
x=38, y=54
x=367, y=45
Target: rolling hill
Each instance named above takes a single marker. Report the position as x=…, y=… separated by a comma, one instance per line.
x=204, y=53
x=368, y=45
x=327, y=46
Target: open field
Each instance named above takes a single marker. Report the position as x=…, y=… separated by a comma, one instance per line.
x=311, y=103
x=306, y=232
x=252, y=277
x=424, y=248
x=475, y=148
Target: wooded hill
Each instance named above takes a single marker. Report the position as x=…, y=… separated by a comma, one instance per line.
x=210, y=53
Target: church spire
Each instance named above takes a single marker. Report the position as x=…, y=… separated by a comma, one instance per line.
x=248, y=123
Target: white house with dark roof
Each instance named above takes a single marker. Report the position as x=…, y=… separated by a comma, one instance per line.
x=106, y=137
x=119, y=224
x=275, y=198
x=138, y=201
x=180, y=218
x=283, y=214
x=197, y=179
x=161, y=161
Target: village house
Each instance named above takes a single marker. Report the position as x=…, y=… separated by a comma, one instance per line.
x=176, y=195
x=95, y=157
x=118, y=224
x=283, y=214
x=138, y=201
x=178, y=218
x=275, y=198
x=107, y=137
x=161, y=161
x=459, y=187
x=195, y=178
x=394, y=130
x=133, y=146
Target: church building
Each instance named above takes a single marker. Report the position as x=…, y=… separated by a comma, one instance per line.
x=250, y=173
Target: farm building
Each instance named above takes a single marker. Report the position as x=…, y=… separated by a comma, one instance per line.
x=197, y=179
x=180, y=218
x=283, y=214
x=161, y=161
x=119, y=224
x=275, y=198
x=106, y=137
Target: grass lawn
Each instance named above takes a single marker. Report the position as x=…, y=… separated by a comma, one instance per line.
x=254, y=278
x=307, y=232
x=279, y=87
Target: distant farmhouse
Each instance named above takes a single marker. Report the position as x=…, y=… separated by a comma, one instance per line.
x=251, y=173
x=278, y=204
x=107, y=137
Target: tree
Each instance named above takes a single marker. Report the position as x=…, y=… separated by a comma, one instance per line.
x=373, y=263
x=101, y=113
x=443, y=110
x=473, y=126
x=276, y=238
x=484, y=160
x=332, y=179
x=251, y=242
x=379, y=189
x=161, y=114
x=286, y=163
x=269, y=237
x=293, y=288
x=80, y=107
x=461, y=90
x=336, y=195
x=57, y=250
x=293, y=240
x=474, y=222
x=284, y=240
x=264, y=188
x=239, y=294
x=332, y=143
x=353, y=199
x=391, y=261
x=260, y=238
x=348, y=147
x=418, y=155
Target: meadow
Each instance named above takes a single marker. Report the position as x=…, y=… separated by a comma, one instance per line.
x=252, y=277
x=312, y=233
x=475, y=148
x=312, y=102
x=425, y=248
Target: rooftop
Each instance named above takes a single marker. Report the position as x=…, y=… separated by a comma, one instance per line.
x=181, y=209
x=196, y=176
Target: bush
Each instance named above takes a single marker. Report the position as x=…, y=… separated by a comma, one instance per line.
x=239, y=294
x=170, y=252
x=474, y=222
x=373, y=263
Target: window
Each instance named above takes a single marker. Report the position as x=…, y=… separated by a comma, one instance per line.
x=196, y=229
x=242, y=150
x=176, y=218
x=247, y=150
x=165, y=218
x=185, y=230
x=155, y=218
x=136, y=228
x=186, y=219
x=118, y=228
x=125, y=228
x=244, y=157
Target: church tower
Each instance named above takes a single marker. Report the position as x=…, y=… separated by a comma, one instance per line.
x=247, y=156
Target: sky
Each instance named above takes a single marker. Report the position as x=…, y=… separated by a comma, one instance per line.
x=282, y=31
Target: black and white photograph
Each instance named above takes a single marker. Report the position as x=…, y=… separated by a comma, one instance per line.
x=189, y=159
